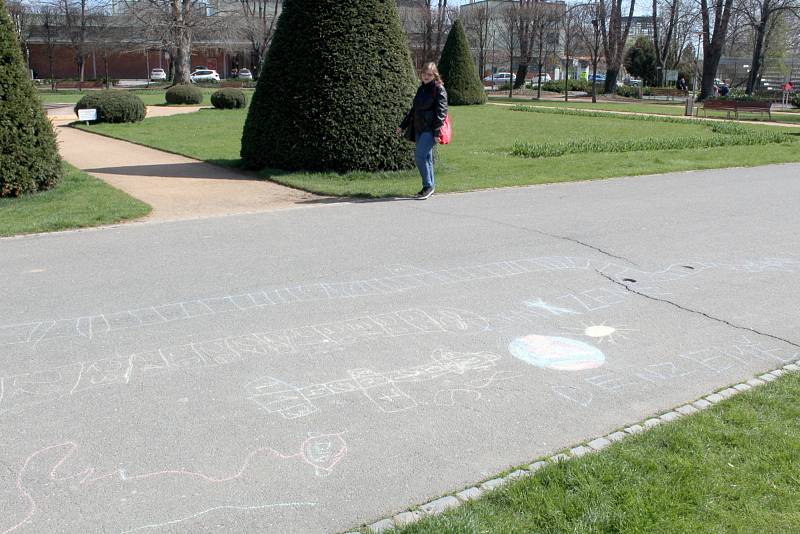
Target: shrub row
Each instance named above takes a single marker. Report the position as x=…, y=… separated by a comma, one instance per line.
x=113, y=106
x=796, y=100
x=557, y=86
x=593, y=145
x=612, y=114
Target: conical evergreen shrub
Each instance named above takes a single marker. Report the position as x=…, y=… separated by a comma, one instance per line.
x=333, y=88
x=29, y=158
x=458, y=70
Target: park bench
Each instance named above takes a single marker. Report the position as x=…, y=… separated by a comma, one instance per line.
x=735, y=106
x=663, y=93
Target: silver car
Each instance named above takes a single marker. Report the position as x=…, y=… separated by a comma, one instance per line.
x=245, y=74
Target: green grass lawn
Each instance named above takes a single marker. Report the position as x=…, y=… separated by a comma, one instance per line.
x=78, y=201
x=658, y=108
x=731, y=468
x=150, y=97
x=478, y=158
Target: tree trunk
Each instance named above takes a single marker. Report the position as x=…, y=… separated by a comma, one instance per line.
x=611, y=80
x=713, y=43
x=758, y=55
x=183, y=57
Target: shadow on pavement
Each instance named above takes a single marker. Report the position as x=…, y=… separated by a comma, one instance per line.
x=178, y=170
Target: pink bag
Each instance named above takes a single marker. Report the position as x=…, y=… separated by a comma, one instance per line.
x=445, y=132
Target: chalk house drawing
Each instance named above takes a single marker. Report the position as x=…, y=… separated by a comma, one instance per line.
x=557, y=353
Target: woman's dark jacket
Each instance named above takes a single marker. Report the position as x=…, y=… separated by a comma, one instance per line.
x=428, y=111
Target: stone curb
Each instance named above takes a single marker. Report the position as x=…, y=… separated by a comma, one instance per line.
x=437, y=506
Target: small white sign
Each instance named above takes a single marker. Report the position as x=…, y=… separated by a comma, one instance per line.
x=87, y=114
x=671, y=75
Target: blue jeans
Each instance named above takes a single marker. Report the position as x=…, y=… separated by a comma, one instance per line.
x=424, y=157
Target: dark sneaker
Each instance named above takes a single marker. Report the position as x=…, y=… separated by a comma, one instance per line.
x=419, y=193
x=425, y=193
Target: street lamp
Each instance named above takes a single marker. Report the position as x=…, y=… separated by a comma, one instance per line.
x=697, y=64
x=595, y=53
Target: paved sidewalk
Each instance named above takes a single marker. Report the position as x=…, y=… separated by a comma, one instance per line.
x=175, y=186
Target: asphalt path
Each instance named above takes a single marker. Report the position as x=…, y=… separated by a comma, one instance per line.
x=310, y=370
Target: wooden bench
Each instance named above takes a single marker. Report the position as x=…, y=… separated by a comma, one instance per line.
x=735, y=106
x=665, y=92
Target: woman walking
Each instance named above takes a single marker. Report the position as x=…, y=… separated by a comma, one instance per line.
x=424, y=121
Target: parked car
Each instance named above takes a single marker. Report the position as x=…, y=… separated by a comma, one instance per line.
x=600, y=77
x=158, y=74
x=206, y=75
x=500, y=78
x=245, y=74
x=536, y=80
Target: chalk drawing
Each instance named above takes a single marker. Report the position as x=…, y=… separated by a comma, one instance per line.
x=216, y=508
x=382, y=389
x=540, y=304
x=574, y=394
x=95, y=325
x=558, y=353
x=38, y=386
x=321, y=451
x=602, y=333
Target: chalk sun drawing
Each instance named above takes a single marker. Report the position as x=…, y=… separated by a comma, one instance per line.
x=557, y=353
x=603, y=332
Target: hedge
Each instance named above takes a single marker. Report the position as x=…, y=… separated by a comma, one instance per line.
x=228, y=98
x=335, y=84
x=113, y=106
x=29, y=159
x=184, y=94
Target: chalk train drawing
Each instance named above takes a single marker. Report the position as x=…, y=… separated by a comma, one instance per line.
x=91, y=326
x=558, y=353
x=28, y=389
x=382, y=389
x=321, y=451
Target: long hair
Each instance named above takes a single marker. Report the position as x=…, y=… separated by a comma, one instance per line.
x=431, y=66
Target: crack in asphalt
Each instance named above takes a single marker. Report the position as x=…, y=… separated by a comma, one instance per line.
x=697, y=312
x=536, y=230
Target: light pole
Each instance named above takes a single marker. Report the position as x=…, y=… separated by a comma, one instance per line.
x=595, y=53
x=697, y=77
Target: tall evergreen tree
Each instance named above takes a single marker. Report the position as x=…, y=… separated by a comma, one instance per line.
x=459, y=72
x=335, y=84
x=29, y=158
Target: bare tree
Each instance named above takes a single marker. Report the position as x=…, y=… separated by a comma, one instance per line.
x=75, y=17
x=614, y=29
x=174, y=24
x=509, y=37
x=545, y=32
x=665, y=19
x=760, y=15
x=569, y=27
x=257, y=25
x=588, y=32
x=477, y=24
x=718, y=14
x=21, y=14
x=527, y=16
